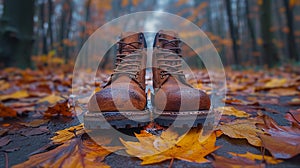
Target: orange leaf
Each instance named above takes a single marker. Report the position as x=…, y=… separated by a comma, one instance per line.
x=7, y=111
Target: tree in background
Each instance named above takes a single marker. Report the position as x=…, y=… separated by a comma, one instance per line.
x=16, y=33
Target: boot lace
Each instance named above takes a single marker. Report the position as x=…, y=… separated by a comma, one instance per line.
x=170, y=59
x=128, y=63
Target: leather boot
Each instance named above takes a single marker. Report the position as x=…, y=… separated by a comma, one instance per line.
x=122, y=100
x=173, y=95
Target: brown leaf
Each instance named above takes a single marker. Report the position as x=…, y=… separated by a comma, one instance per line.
x=283, y=142
x=61, y=108
x=293, y=116
x=294, y=102
x=36, y=123
x=34, y=131
x=251, y=156
x=78, y=152
x=243, y=128
x=283, y=92
x=235, y=162
x=234, y=101
x=7, y=111
x=4, y=141
x=155, y=149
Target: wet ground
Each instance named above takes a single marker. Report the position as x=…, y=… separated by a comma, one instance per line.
x=19, y=149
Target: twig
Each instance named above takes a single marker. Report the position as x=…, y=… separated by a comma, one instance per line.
x=171, y=163
x=6, y=160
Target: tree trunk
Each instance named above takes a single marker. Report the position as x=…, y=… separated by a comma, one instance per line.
x=252, y=33
x=232, y=32
x=269, y=52
x=291, y=38
x=50, y=28
x=16, y=38
x=43, y=32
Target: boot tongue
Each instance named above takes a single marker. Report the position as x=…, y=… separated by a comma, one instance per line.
x=130, y=37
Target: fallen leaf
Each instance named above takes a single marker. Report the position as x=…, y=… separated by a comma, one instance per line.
x=283, y=92
x=4, y=85
x=283, y=142
x=276, y=82
x=251, y=156
x=228, y=110
x=293, y=116
x=244, y=129
x=3, y=131
x=294, y=102
x=52, y=99
x=16, y=95
x=34, y=131
x=11, y=149
x=155, y=149
x=77, y=152
x=67, y=134
x=235, y=162
x=61, y=108
x=231, y=100
x=36, y=123
x=7, y=111
x=4, y=141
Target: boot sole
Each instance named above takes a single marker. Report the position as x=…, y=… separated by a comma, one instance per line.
x=108, y=120
x=182, y=118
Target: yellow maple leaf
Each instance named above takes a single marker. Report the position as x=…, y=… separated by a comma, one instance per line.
x=229, y=110
x=251, y=156
x=243, y=128
x=155, y=149
x=16, y=95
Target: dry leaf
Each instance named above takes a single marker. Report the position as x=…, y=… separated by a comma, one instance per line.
x=294, y=102
x=243, y=128
x=16, y=95
x=155, y=149
x=67, y=134
x=283, y=142
x=77, y=152
x=284, y=92
x=34, y=131
x=293, y=116
x=36, y=123
x=52, y=99
x=251, y=156
x=61, y=108
x=235, y=162
x=232, y=111
x=4, y=141
x=7, y=111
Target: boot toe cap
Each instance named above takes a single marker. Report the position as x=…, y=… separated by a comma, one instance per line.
x=121, y=99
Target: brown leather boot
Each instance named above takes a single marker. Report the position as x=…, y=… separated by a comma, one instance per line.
x=122, y=101
x=174, y=97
